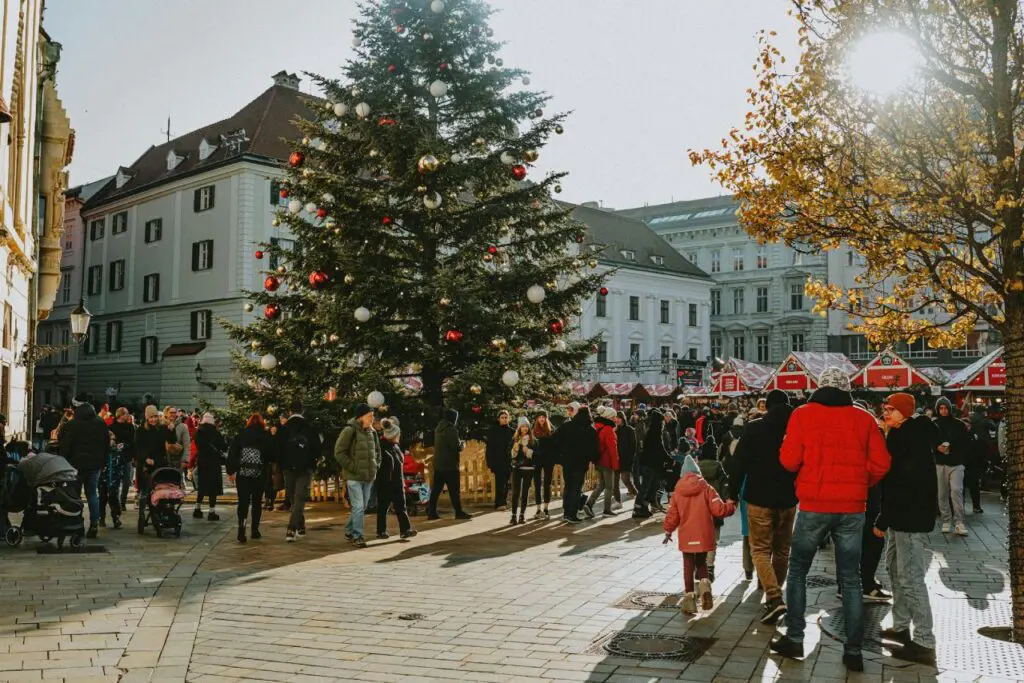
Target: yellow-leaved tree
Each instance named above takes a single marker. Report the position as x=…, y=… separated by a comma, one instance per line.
x=925, y=182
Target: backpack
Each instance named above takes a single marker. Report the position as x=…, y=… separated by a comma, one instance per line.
x=250, y=463
x=299, y=449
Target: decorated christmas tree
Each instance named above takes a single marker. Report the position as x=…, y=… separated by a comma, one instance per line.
x=431, y=269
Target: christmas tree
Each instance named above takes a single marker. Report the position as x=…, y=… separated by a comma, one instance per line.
x=431, y=269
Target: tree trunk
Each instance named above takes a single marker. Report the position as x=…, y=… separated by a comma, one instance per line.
x=1014, y=405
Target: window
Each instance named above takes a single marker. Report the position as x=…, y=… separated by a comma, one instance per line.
x=65, y=286
x=634, y=308
x=275, y=192
x=796, y=296
x=96, y=229
x=65, y=341
x=202, y=200
x=601, y=308
x=692, y=353
x=634, y=353
x=114, y=329
x=602, y=353
x=737, y=301
x=693, y=315
x=666, y=353
x=798, y=258
x=762, y=299
x=95, y=280
x=664, y=312
x=116, y=275
x=202, y=324
x=284, y=246
x=762, y=257
x=154, y=230
x=8, y=326
x=119, y=223
x=151, y=288
x=628, y=254
x=147, y=350
x=738, y=344
x=762, y=348
x=850, y=258
x=796, y=342
x=691, y=256
x=658, y=260
x=716, y=260
x=716, y=302
x=202, y=255
x=737, y=259
x=92, y=340
x=69, y=239
x=716, y=346
x=47, y=337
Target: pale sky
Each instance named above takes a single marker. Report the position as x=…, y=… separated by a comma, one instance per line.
x=647, y=79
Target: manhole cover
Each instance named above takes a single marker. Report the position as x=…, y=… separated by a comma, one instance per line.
x=650, y=646
x=650, y=600
x=955, y=621
x=820, y=581
x=413, y=616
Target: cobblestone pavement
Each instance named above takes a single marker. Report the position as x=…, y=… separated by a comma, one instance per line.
x=463, y=601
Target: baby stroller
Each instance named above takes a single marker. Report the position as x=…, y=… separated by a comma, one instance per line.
x=417, y=492
x=38, y=489
x=161, y=501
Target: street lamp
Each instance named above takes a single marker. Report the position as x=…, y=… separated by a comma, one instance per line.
x=199, y=378
x=80, y=318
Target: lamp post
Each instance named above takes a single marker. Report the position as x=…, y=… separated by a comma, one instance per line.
x=80, y=318
x=199, y=378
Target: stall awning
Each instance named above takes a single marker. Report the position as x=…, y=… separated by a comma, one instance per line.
x=984, y=374
x=739, y=377
x=888, y=372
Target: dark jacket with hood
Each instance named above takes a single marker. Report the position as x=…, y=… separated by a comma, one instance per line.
x=769, y=484
x=210, y=448
x=85, y=441
x=299, y=445
x=909, y=490
x=577, y=441
x=124, y=436
x=389, y=474
x=627, y=446
x=258, y=440
x=979, y=439
x=499, y=445
x=654, y=454
x=446, y=443
x=952, y=431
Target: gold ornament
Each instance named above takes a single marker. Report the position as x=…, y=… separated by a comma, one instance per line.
x=428, y=163
x=305, y=141
x=313, y=344
x=307, y=173
x=248, y=308
x=330, y=224
x=592, y=263
x=279, y=332
x=445, y=301
x=374, y=154
x=476, y=389
x=337, y=231
x=480, y=142
x=499, y=343
x=421, y=189
x=488, y=257
x=282, y=270
x=531, y=155
x=416, y=367
x=350, y=278
x=271, y=409
x=276, y=222
x=383, y=408
x=552, y=285
x=334, y=338
x=254, y=344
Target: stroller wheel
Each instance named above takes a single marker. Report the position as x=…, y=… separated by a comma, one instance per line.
x=76, y=540
x=14, y=536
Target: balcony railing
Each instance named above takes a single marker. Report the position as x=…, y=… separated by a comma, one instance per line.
x=636, y=367
x=966, y=353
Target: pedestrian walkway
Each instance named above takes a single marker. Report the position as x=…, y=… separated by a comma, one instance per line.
x=463, y=601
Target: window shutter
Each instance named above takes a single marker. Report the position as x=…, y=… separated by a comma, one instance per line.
x=275, y=192
x=209, y=323
x=209, y=253
x=120, y=336
x=195, y=201
x=194, y=322
x=195, y=255
x=142, y=350
x=213, y=190
x=156, y=288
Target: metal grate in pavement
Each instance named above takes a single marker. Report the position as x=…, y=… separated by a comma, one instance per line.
x=649, y=600
x=646, y=646
x=960, y=648
x=820, y=581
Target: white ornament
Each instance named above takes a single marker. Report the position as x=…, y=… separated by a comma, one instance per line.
x=535, y=294
x=510, y=378
x=268, y=362
x=438, y=89
x=294, y=206
x=248, y=308
x=362, y=314
x=340, y=109
x=507, y=159
x=328, y=198
x=357, y=41
x=362, y=110
x=437, y=6
x=375, y=399
x=432, y=201
x=322, y=145
x=559, y=345
x=457, y=158
x=310, y=207
x=526, y=80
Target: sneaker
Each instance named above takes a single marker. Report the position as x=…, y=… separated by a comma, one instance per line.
x=961, y=530
x=349, y=537
x=580, y=515
x=538, y=514
x=707, y=602
x=197, y=513
x=588, y=511
x=876, y=596
x=641, y=513
x=255, y=534
x=409, y=534
x=945, y=527
x=463, y=515
x=891, y=634
x=359, y=542
x=117, y=522
x=93, y=532
x=301, y=533
x=290, y=536
x=617, y=505
x=689, y=604
x=853, y=662
x=546, y=514
x=979, y=511
x=522, y=519
x=773, y=610
x=787, y=648
x=384, y=536
x=912, y=652
x=213, y=517
x=609, y=513
x=512, y=521
x=433, y=518
x=569, y=520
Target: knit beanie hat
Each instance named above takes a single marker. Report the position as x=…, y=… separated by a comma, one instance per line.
x=607, y=412
x=836, y=379
x=523, y=422
x=361, y=409
x=390, y=428
x=776, y=397
x=902, y=402
x=152, y=411
x=574, y=405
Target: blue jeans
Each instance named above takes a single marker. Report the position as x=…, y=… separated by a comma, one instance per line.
x=91, y=480
x=906, y=560
x=810, y=530
x=358, y=496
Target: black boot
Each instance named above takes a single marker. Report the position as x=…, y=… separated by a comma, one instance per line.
x=241, y=533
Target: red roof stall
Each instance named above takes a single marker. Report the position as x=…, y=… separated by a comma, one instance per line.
x=618, y=389
x=739, y=377
x=662, y=390
x=984, y=374
x=801, y=369
x=889, y=372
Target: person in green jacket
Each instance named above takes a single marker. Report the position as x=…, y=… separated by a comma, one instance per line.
x=358, y=452
x=447, y=448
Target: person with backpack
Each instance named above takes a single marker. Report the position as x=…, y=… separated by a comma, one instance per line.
x=248, y=461
x=358, y=452
x=299, y=450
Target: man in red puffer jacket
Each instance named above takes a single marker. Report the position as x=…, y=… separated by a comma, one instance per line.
x=837, y=451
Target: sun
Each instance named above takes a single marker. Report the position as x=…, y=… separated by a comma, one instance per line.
x=883, y=63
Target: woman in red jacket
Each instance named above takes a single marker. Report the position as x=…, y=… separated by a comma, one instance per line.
x=607, y=461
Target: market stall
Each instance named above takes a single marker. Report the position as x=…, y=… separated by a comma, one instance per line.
x=983, y=379
x=801, y=369
x=888, y=372
x=739, y=377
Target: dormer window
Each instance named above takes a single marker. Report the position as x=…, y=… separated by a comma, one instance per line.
x=206, y=149
x=122, y=177
x=173, y=159
x=628, y=254
x=658, y=260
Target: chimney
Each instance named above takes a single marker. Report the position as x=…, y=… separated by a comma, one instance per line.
x=287, y=80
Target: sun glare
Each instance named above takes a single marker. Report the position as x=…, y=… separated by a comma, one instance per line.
x=882, y=63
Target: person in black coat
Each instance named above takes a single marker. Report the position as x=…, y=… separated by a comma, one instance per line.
x=577, y=442
x=498, y=447
x=85, y=442
x=652, y=461
x=949, y=466
x=249, y=460
x=626, y=438
x=979, y=446
x=210, y=449
x=543, y=461
x=389, y=482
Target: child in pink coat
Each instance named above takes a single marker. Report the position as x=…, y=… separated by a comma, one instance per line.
x=692, y=510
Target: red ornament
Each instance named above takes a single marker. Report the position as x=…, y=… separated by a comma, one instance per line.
x=492, y=249
x=604, y=291
x=519, y=171
x=386, y=121
x=284, y=193
x=556, y=326
x=399, y=30
x=580, y=237
x=318, y=279
x=477, y=410
x=454, y=336
x=272, y=283
x=444, y=66
x=296, y=158
x=386, y=220
x=321, y=212
x=392, y=68
x=271, y=311
x=259, y=255
x=593, y=349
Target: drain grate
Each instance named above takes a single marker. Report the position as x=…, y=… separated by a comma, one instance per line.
x=649, y=600
x=821, y=581
x=644, y=646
